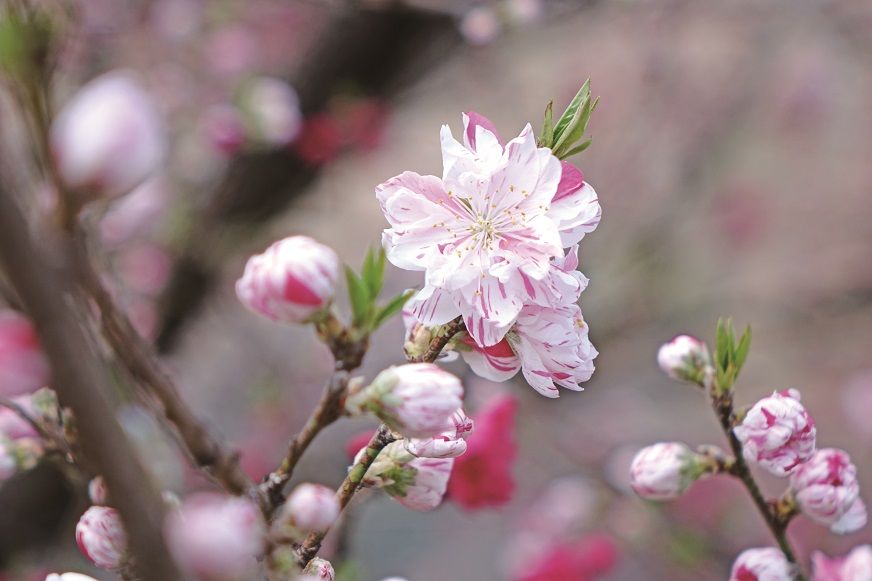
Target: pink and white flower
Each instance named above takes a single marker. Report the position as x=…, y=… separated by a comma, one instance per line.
x=825, y=487
x=683, y=357
x=216, y=537
x=663, y=471
x=766, y=564
x=449, y=444
x=416, y=483
x=777, y=433
x=109, y=137
x=68, y=577
x=853, y=520
x=855, y=566
x=23, y=368
x=416, y=399
x=291, y=282
x=101, y=537
x=311, y=507
x=486, y=232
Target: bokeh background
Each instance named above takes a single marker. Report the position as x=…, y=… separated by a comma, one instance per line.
x=731, y=153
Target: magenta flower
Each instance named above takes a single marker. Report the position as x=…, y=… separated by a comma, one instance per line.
x=291, y=282
x=777, y=433
x=855, y=566
x=483, y=477
x=101, y=537
x=487, y=231
x=216, y=537
x=826, y=487
x=766, y=564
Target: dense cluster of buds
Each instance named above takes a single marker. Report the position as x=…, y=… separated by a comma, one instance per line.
x=497, y=237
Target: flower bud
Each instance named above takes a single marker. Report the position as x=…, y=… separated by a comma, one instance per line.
x=68, y=577
x=684, y=358
x=855, y=566
x=319, y=569
x=853, y=520
x=416, y=483
x=109, y=137
x=311, y=507
x=216, y=537
x=664, y=471
x=825, y=487
x=291, y=282
x=767, y=564
x=416, y=399
x=777, y=433
x=23, y=367
x=97, y=491
x=449, y=444
x=101, y=537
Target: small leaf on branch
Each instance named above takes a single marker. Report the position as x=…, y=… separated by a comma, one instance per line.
x=394, y=306
x=358, y=294
x=546, y=139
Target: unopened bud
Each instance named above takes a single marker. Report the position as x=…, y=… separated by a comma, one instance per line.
x=449, y=444
x=311, y=508
x=319, y=569
x=684, y=358
x=825, y=487
x=417, y=483
x=855, y=566
x=767, y=564
x=101, y=537
x=664, y=471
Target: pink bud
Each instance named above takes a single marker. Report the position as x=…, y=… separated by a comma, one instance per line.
x=291, y=282
x=101, y=537
x=777, y=433
x=825, y=487
x=417, y=399
x=319, y=569
x=428, y=488
x=855, y=566
x=272, y=110
x=23, y=368
x=768, y=564
x=449, y=444
x=853, y=520
x=69, y=577
x=109, y=137
x=683, y=357
x=216, y=537
x=97, y=491
x=311, y=507
x=663, y=471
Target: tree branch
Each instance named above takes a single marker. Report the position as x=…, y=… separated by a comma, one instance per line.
x=40, y=277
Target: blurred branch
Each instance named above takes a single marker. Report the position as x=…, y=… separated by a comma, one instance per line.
x=40, y=276
x=375, y=51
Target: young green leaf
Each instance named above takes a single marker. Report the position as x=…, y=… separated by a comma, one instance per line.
x=570, y=112
x=578, y=149
x=393, y=306
x=743, y=348
x=358, y=294
x=576, y=128
x=546, y=139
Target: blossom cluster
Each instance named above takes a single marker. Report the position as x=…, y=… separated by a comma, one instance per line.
x=497, y=238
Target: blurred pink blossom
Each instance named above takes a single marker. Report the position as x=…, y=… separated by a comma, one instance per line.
x=23, y=368
x=855, y=566
x=767, y=564
x=583, y=560
x=320, y=139
x=271, y=111
x=482, y=477
x=311, y=507
x=480, y=26
x=224, y=129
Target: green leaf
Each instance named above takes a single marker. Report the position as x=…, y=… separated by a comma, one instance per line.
x=393, y=306
x=358, y=294
x=373, y=271
x=743, y=348
x=722, y=346
x=584, y=145
x=576, y=128
x=577, y=101
x=546, y=139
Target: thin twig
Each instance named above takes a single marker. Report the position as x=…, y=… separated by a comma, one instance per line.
x=438, y=343
x=723, y=407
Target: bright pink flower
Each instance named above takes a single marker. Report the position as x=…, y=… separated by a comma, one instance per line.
x=416, y=399
x=826, y=487
x=109, y=137
x=311, y=507
x=216, y=537
x=487, y=231
x=767, y=564
x=663, y=471
x=855, y=566
x=777, y=433
x=292, y=281
x=582, y=560
x=682, y=357
x=483, y=475
x=23, y=368
x=451, y=443
x=101, y=537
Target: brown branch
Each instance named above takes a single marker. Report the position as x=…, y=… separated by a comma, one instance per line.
x=49, y=294
x=438, y=343
x=723, y=407
x=141, y=361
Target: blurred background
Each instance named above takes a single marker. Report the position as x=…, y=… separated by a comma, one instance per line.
x=731, y=153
